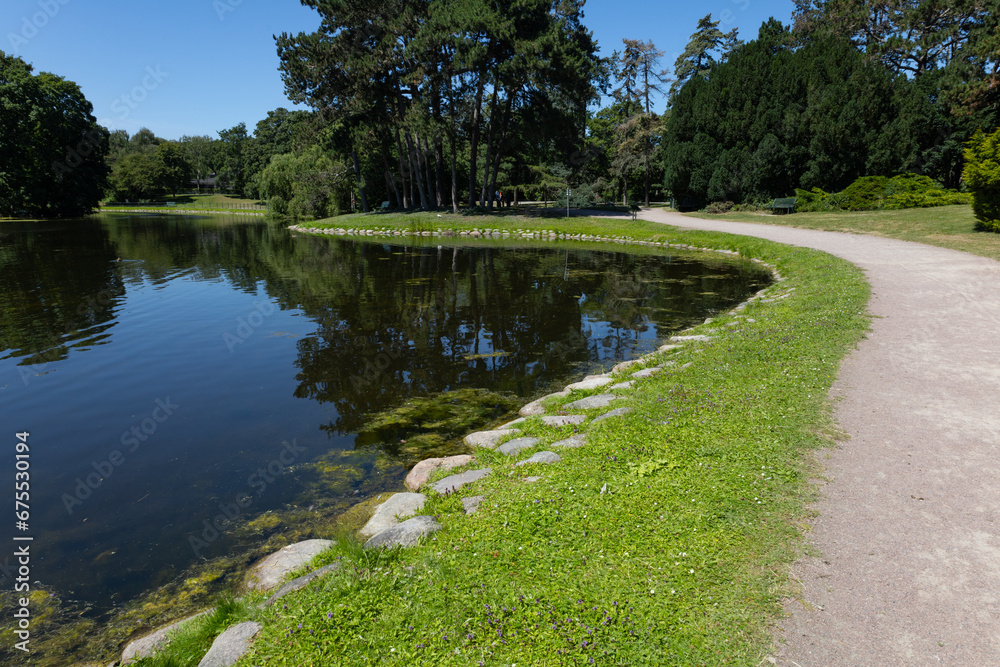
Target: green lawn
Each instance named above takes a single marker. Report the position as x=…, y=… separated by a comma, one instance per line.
x=203, y=202
x=945, y=226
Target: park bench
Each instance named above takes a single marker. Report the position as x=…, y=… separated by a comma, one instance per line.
x=783, y=204
x=634, y=208
x=384, y=206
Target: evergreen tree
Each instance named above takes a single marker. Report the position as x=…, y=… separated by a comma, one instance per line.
x=637, y=69
x=772, y=119
x=698, y=57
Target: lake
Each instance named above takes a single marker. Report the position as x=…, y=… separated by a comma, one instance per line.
x=174, y=369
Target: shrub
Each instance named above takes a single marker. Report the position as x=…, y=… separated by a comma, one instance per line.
x=871, y=193
x=812, y=200
x=982, y=176
x=864, y=194
x=720, y=207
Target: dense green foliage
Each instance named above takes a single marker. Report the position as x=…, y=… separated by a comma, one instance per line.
x=870, y=193
x=982, y=174
x=145, y=167
x=408, y=87
x=773, y=118
x=51, y=147
x=309, y=185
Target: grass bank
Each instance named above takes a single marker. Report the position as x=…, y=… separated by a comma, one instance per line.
x=663, y=541
x=944, y=226
x=196, y=203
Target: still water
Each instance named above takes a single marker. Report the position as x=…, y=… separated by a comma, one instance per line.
x=172, y=369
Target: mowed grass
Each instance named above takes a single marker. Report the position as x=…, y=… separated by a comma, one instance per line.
x=944, y=226
x=665, y=540
x=200, y=202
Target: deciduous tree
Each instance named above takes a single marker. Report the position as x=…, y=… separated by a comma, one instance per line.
x=52, y=150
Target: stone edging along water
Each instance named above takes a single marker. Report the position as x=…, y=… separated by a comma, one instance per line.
x=393, y=522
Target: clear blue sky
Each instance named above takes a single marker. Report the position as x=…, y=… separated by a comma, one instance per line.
x=200, y=66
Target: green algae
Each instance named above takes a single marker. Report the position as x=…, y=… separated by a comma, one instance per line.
x=430, y=426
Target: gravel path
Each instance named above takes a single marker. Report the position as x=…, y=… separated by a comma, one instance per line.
x=908, y=525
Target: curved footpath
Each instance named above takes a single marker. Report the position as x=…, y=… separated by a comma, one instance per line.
x=908, y=523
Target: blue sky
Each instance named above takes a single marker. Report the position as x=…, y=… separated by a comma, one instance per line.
x=200, y=66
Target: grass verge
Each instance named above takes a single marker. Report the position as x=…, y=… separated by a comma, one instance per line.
x=663, y=541
x=943, y=226
x=199, y=203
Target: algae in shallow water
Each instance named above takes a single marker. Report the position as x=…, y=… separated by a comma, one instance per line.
x=432, y=425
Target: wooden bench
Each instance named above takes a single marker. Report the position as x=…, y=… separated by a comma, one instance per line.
x=783, y=204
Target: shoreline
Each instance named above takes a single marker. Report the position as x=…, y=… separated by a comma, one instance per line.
x=705, y=349
x=386, y=535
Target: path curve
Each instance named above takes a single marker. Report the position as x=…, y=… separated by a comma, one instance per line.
x=908, y=525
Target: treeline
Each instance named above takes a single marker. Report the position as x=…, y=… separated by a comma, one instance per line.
x=443, y=101
x=447, y=103
x=853, y=89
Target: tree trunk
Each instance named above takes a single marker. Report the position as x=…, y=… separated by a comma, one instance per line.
x=454, y=175
x=357, y=176
x=646, y=156
x=415, y=170
x=438, y=169
x=432, y=194
x=501, y=141
x=407, y=191
x=474, y=138
x=487, y=195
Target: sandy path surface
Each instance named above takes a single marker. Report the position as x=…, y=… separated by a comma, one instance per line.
x=908, y=526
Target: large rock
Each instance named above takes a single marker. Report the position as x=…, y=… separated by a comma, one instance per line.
x=541, y=457
x=271, y=571
x=647, y=372
x=691, y=337
x=489, y=439
x=563, y=420
x=622, y=385
x=405, y=534
x=421, y=472
x=590, y=382
x=471, y=504
x=578, y=440
x=617, y=412
x=591, y=402
x=514, y=446
x=231, y=645
x=398, y=506
x=621, y=366
x=301, y=582
x=153, y=642
x=455, y=482
x=536, y=407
